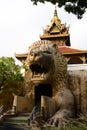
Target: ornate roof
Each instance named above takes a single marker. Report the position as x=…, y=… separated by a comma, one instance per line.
x=55, y=27
x=55, y=21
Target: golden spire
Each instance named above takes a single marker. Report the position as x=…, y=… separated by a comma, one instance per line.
x=55, y=11
x=55, y=18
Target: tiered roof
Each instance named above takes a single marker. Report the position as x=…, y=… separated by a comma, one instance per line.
x=55, y=29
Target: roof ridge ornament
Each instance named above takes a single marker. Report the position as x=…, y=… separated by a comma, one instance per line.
x=55, y=18
x=55, y=10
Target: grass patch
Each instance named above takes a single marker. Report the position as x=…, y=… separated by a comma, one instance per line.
x=72, y=124
x=79, y=126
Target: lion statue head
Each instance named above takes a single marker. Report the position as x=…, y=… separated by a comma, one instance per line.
x=46, y=65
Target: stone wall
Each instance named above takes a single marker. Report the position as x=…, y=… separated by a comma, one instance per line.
x=77, y=81
x=6, y=99
x=22, y=104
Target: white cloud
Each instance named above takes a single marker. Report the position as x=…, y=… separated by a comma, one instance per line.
x=21, y=23
x=78, y=31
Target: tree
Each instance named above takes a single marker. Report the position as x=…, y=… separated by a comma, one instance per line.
x=77, y=7
x=10, y=75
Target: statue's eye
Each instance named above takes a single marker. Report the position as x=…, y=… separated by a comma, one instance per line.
x=47, y=52
x=31, y=53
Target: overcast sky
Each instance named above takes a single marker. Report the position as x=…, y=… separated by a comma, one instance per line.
x=21, y=23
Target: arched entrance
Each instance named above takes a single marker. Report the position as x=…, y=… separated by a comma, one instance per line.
x=42, y=90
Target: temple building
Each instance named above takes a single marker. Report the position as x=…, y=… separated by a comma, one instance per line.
x=59, y=33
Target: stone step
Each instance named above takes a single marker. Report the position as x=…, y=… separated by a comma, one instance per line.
x=1, y=128
x=18, y=118
x=15, y=126
x=24, y=114
x=19, y=122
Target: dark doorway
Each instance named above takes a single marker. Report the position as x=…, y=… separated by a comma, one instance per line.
x=42, y=89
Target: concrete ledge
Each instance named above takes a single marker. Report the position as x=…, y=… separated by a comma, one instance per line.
x=73, y=67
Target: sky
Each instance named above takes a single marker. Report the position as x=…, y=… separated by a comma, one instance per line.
x=21, y=24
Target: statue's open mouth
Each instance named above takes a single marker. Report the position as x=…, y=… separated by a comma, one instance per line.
x=38, y=70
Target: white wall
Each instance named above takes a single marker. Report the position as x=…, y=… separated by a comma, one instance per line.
x=77, y=67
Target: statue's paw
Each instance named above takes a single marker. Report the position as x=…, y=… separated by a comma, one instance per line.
x=60, y=118
x=55, y=121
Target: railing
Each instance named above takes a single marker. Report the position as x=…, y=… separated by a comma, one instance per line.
x=1, y=113
x=10, y=112
x=1, y=110
x=31, y=116
x=35, y=114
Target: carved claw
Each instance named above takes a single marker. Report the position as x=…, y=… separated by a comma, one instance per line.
x=54, y=121
x=59, y=118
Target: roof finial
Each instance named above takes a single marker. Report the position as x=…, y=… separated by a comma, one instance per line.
x=55, y=11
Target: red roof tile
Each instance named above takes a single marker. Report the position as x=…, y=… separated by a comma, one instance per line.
x=63, y=49
x=69, y=50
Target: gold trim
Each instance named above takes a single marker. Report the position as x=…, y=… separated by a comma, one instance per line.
x=53, y=36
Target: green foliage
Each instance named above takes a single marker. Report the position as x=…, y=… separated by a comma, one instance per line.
x=10, y=75
x=77, y=7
